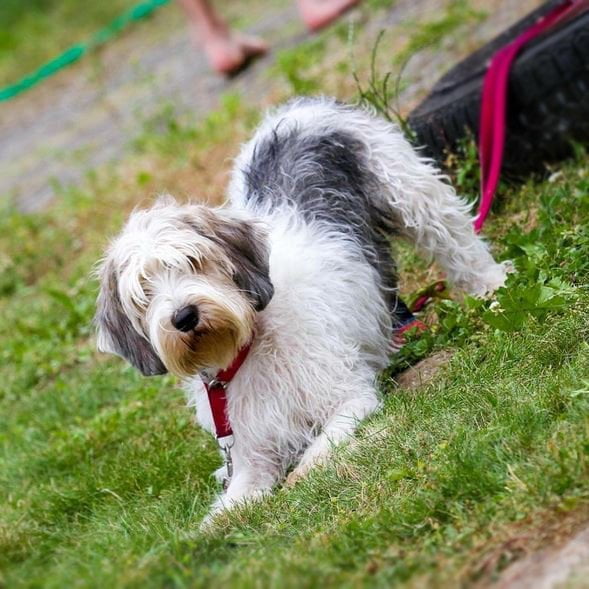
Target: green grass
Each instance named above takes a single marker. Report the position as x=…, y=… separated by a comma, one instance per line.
x=35, y=31
x=104, y=478
x=431, y=33
x=295, y=66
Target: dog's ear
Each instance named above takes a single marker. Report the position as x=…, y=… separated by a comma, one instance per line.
x=246, y=245
x=116, y=334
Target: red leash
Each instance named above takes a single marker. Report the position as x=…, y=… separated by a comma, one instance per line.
x=494, y=102
x=216, y=391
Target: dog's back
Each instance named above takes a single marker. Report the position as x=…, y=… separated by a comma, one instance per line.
x=309, y=156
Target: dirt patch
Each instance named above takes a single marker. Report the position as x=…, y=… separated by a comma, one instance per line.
x=548, y=549
x=424, y=371
x=566, y=566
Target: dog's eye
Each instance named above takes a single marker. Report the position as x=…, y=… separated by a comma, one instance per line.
x=194, y=263
x=147, y=289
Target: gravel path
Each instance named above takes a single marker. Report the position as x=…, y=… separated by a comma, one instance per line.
x=87, y=115
x=83, y=118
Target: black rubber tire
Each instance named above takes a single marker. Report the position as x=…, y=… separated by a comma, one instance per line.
x=547, y=105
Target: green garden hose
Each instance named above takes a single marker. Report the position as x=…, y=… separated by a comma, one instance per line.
x=75, y=52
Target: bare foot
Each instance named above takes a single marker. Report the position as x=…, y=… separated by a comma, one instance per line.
x=229, y=53
x=317, y=14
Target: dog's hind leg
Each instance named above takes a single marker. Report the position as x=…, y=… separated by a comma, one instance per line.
x=426, y=208
x=438, y=222
x=339, y=429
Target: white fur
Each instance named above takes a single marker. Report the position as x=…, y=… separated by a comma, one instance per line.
x=317, y=349
x=322, y=340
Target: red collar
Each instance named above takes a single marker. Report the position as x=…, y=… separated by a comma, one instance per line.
x=216, y=390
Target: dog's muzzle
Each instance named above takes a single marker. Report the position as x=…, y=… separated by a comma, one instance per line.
x=186, y=318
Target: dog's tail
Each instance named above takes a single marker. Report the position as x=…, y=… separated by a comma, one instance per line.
x=421, y=202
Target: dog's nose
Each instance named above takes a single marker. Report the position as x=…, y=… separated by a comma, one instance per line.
x=186, y=318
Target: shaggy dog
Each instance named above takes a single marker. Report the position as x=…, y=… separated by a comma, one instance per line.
x=296, y=269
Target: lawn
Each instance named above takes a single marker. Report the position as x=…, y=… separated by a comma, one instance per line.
x=104, y=477
x=34, y=31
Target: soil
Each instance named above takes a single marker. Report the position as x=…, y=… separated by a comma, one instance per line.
x=549, y=549
x=423, y=372
x=563, y=566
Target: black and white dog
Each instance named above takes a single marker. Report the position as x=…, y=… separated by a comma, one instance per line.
x=297, y=264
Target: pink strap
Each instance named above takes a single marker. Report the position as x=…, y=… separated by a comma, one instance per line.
x=494, y=103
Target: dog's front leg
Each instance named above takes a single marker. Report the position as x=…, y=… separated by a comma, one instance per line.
x=339, y=429
x=250, y=481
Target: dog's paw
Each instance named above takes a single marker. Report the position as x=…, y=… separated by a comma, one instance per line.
x=209, y=522
x=492, y=279
x=307, y=463
x=221, y=474
x=295, y=476
x=219, y=508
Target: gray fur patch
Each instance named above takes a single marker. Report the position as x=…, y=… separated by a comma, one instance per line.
x=324, y=176
x=116, y=326
x=246, y=246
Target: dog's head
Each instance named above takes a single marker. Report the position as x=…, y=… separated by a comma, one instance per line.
x=180, y=287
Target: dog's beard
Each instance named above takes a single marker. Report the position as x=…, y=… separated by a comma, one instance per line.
x=225, y=325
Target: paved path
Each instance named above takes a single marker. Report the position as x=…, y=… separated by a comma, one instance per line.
x=88, y=114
